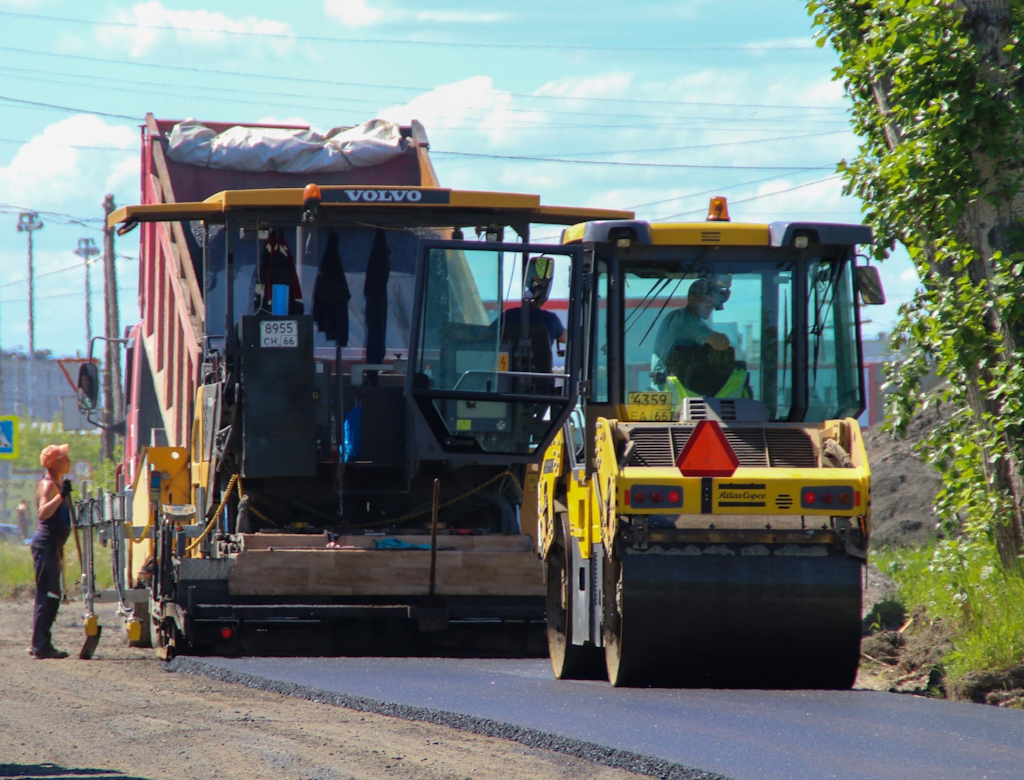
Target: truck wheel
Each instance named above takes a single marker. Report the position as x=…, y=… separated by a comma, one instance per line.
x=568, y=661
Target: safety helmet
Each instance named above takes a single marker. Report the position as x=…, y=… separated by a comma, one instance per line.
x=539, y=273
x=719, y=287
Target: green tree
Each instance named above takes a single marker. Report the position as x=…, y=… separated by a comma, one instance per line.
x=938, y=103
x=34, y=435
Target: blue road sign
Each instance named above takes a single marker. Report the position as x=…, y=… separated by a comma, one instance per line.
x=8, y=437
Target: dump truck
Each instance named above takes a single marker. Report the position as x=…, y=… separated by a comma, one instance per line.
x=333, y=396
x=705, y=512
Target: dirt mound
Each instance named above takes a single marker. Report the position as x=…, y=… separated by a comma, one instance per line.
x=903, y=486
x=909, y=658
x=900, y=653
x=1005, y=688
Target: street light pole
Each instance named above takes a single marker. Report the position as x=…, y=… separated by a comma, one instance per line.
x=29, y=222
x=87, y=250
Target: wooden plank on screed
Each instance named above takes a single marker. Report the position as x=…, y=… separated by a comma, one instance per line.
x=386, y=573
x=495, y=542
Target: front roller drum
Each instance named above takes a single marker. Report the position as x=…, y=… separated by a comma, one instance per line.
x=761, y=616
x=569, y=661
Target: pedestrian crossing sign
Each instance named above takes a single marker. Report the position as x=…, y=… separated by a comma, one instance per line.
x=8, y=437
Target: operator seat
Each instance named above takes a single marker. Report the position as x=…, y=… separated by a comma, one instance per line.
x=702, y=369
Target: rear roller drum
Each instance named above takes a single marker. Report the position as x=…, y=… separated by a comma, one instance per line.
x=715, y=618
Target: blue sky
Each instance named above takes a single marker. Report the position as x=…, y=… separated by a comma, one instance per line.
x=652, y=106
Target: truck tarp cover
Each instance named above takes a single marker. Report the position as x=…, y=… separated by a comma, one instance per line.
x=290, y=151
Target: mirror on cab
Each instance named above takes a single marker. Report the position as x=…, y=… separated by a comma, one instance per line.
x=539, y=272
x=88, y=386
x=869, y=284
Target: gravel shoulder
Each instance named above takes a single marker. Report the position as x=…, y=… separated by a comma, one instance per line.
x=121, y=715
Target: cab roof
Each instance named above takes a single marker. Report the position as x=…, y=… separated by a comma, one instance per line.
x=717, y=233
x=427, y=206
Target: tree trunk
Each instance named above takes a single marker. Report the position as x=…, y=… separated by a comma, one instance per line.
x=986, y=226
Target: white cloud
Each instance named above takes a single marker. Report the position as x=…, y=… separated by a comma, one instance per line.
x=471, y=103
x=462, y=17
x=203, y=28
x=48, y=172
x=366, y=13
x=604, y=85
x=782, y=43
x=356, y=13
x=58, y=175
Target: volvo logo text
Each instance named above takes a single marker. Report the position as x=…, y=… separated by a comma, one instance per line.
x=384, y=196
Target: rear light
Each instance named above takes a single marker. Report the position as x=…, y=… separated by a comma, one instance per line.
x=841, y=497
x=654, y=497
x=227, y=632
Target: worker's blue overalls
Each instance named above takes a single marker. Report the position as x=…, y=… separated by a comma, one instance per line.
x=47, y=545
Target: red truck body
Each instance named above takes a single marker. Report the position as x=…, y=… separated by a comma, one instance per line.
x=165, y=347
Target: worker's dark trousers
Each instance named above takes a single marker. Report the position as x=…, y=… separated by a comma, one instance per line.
x=47, y=565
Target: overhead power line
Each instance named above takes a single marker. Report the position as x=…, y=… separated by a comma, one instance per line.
x=405, y=88
x=535, y=45
x=746, y=142
x=752, y=198
x=519, y=158
x=146, y=88
x=93, y=112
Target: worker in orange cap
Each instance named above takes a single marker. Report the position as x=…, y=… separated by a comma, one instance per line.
x=53, y=513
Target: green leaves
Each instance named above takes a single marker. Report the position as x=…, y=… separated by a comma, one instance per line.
x=940, y=165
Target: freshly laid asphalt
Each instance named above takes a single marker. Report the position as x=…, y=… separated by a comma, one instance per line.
x=739, y=734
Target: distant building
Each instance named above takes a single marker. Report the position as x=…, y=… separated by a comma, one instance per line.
x=876, y=354
x=39, y=395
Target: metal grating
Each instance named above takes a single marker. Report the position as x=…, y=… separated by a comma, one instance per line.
x=749, y=446
x=652, y=447
x=680, y=436
x=755, y=447
x=695, y=409
x=790, y=448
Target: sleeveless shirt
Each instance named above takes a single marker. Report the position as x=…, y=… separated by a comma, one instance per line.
x=56, y=528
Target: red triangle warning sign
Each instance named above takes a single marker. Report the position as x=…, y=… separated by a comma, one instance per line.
x=707, y=453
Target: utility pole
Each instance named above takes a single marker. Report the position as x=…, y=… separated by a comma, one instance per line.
x=29, y=222
x=112, y=326
x=87, y=250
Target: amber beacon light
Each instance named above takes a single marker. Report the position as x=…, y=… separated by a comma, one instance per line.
x=718, y=211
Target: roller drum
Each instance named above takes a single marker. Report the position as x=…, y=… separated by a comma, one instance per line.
x=734, y=616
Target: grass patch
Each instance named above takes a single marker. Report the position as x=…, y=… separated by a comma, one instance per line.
x=17, y=574
x=965, y=585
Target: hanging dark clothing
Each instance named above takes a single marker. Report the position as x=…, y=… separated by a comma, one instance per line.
x=375, y=291
x=331, y=294
x=277, y=266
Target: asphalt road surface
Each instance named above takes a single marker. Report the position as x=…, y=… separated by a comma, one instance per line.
x=741, y=734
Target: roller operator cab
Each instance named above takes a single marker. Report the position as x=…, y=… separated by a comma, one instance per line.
x=378, y=371
x=705, y=511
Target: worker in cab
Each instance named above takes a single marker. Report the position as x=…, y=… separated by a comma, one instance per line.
x=539, y=274
x=689, y=356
